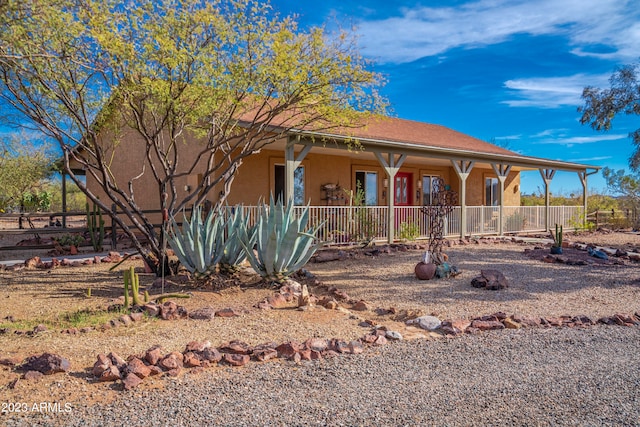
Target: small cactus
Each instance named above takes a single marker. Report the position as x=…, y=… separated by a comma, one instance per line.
x=131, y=281
x=95, y=225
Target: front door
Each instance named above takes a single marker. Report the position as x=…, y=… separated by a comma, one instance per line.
x=403, y=189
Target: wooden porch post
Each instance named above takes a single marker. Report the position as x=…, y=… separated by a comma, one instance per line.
x=291, y=163
x=502, y=171
x=547, y=175
x=463, y=169
x=391, y=167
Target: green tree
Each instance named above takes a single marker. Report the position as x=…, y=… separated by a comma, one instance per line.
x=623, y=97
x=183, y=75
x=25, y=167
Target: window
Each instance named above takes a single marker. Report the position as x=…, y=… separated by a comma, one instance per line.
x=491, y=192
x=428, y=182
x=367, y=182
x=298, y=184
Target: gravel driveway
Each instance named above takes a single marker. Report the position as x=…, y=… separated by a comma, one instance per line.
x=526, y=377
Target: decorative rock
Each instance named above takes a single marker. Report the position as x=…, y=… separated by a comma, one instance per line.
x=288, y=350
x=47, y=363
x=112, y=373
x=153, y=355
x=487, y=325
x=211, y=355
x=169, y=311
x=204, y=313
x=33, y=263
x=152, y=309
x=236, y=359
x=303, y=299
x=191, y=359
x=137, y=316
x=137, y=367
x=264, y=352
x=429, y=323
x=509, y=323
x=102, y=364
x=40, y=328
x=125, y=319
x=235, y=347
x=461, y=324
x=393, y=335
x=197, y=346
x=277, y=301
x=491, y=279
x=131, y=381
x=361, y=306
x=172, y=360
x=227, y=312
x=117, y=360
x=380, y=340
x=316, y=344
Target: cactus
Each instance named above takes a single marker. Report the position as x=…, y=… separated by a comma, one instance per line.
x=284, y=243
x=200, y=244
x=95, y=225
x=557, y=238
x=131, y=281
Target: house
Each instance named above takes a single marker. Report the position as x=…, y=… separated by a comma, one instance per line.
x=395, y=167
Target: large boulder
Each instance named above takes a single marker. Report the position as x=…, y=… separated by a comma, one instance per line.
x=47, y=363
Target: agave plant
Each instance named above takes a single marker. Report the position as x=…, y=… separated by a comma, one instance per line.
x=238, y=235
x=199, y=245
x=284, y=243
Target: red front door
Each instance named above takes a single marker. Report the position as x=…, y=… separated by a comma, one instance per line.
x=403, y=189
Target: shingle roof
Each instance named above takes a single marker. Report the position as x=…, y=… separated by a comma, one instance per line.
x=423, y=134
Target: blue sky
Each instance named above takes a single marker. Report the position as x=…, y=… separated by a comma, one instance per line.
x=509, y=71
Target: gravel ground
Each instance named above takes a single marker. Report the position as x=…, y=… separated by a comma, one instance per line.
x=526, y=377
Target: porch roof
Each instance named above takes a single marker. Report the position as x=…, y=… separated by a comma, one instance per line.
x=435, y=141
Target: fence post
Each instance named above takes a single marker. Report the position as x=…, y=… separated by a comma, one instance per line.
x=114, y=234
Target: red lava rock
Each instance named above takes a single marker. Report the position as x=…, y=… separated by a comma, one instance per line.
x=487, y=325
x=97, y=259
x=153, y=355
x=197, y=346
x=204, y=313
x=137, y=367
x=211, y=354
x=169, y=311
x=554, y=321
x=154, y=370
x=265, y=352
x=461, y=324
x=305, y=354
x=380, y=340
x=236, y=359
x=125, y=319
x=137, y=316
x=171, y=361
x=152, y=309
x=112, y=373
x=102, y=364
x=191, y=359
x=264, y=305
x=361, y=306
x=355, y=347
x=116, y=359
x=40, y=328
x=131, y=381
x=316, y=344
x=316, y=355
x=174, y=372
x=47, y=363
x=328, y=354
x=235, y=347
x=369, y=339
x=86, y=329
x=277, y=301
x=338, y=345
x=341, y=295
x=288, y=350
x=33, y=263
x=33, y=375
x=227, y=312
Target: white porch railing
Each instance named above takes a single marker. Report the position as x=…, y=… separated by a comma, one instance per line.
x=347, y=224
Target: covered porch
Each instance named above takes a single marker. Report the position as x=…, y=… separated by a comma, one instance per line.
x=390, y=220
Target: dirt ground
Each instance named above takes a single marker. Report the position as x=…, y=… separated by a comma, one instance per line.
x=52, y=297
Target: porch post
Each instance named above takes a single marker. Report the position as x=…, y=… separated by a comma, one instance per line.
x=547, y=175
x=291, y=163
x=463, y=169
x=583, y=179
x=502, y=171
x=391, y=167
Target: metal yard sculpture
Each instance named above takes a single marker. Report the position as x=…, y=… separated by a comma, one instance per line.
x=443, y=199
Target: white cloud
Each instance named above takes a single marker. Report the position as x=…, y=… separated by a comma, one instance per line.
x=551, y=92
x=592, y=159
x=429, y=31
x=575, y=140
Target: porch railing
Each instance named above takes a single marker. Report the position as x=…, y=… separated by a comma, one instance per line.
x=347, y=224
